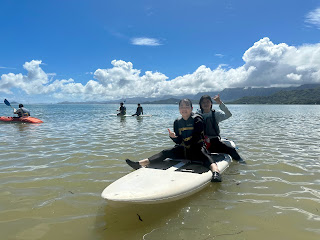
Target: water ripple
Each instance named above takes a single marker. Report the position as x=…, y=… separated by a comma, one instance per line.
x=52, y=175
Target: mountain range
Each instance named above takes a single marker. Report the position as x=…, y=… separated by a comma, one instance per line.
x=249, y=95
x=298, y=96
x=274, y=95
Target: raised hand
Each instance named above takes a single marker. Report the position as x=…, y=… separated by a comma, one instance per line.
x=217, y=99
x=172, y=134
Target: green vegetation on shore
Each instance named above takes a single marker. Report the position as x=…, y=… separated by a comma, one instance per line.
x=298, y=96
x=165, y=101
x=304, y=96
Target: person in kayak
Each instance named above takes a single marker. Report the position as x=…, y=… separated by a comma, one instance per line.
x=22, y=111
x=212, y=118
x=139, y=111
x=122, y=110
x=188, y=135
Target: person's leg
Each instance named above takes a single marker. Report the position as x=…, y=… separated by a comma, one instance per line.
x=219, y=147
x=209, y=163
x=175, y=152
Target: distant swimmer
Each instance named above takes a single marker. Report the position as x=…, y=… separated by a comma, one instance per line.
x=22, y=111
x=139, y=111
x=122, y=110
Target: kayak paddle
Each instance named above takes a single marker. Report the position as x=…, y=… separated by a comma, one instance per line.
x=8, y=104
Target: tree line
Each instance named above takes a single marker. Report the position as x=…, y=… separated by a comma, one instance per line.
x=305, y=96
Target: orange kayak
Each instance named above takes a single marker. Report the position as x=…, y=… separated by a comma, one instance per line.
x=20, y=119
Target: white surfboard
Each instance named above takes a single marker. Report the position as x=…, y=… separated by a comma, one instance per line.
x=157, y=185
x=166, y=181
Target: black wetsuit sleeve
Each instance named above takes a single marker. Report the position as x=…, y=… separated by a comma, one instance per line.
x=198, y=133
x=177, y=140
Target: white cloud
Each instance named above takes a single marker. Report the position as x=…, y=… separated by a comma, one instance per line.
x=294, y=76
x=219, y=55
x=273, y=62
x=265, y=64
x=121, y=74
x=146, y=41
x=313, y=17
x=35, y=82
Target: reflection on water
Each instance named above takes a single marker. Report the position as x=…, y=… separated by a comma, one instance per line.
x=52, y=175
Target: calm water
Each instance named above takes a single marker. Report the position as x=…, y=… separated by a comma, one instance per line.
x=52, y=176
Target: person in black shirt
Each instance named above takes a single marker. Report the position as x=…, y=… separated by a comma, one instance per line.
x=122, y=110
x=139, y=111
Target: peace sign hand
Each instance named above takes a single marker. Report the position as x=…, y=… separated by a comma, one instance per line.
x=172, y=134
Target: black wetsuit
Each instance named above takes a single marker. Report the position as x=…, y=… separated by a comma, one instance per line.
x=216, y=146
x=189, y=142
x=139, y=111
x=123, y=110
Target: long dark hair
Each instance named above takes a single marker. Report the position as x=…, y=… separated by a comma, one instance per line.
x=203, y=98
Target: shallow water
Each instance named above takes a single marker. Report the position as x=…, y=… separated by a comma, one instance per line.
x=52, y=175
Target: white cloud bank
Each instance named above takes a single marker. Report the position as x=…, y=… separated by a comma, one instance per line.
x=265, y=64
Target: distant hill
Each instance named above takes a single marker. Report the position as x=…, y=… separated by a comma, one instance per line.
x=300, y=96
x=231, y=94
x=91, y=102
x=165, y=101
x=10, y=103
x=227, y=95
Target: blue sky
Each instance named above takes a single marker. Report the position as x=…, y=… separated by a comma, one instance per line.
x=52, y=51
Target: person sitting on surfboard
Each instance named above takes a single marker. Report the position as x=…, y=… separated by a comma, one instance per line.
x=188, y=135
x=122, y=109
x=212, y=130
x=22, y=111
x=139, y=111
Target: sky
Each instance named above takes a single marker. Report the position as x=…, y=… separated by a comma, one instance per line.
x=99, y=50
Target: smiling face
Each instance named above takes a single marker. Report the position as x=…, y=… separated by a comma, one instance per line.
x=206, y=105
x=185, y=110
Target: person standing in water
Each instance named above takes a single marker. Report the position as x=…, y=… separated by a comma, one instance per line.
x=139, y=111
x=188, y=136
x=122, y=110
x=22, y=111
x=212, y=119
